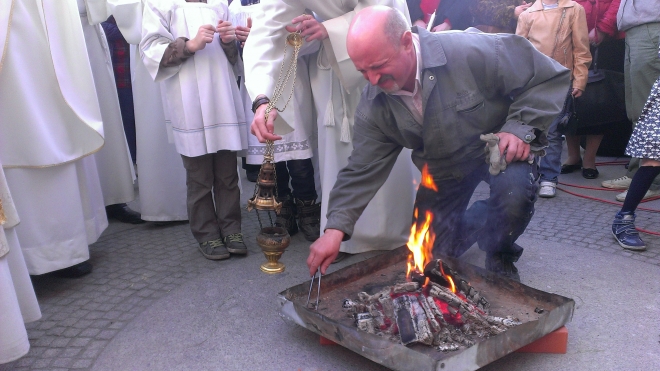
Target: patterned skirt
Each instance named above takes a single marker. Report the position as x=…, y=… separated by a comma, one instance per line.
x=645, y=139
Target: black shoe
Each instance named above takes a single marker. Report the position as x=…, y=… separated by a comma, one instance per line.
x=590, y=173
x=287, y=217
x=75, y=271
x=567, y=169
x=235, y=244
x=124, y=214
x=214, y=249
x=309, y=218
x=252, y=172
x=496, y=264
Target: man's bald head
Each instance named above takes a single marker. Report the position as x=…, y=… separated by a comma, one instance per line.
x=380, y=45
x=377, y=23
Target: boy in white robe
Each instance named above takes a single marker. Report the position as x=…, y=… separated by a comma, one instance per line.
x=190, y=46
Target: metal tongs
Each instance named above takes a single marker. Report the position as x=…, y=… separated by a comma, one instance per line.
x=318, y=291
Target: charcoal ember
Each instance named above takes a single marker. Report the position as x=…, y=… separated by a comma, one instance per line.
x=436, y=311
x=436, y=271
x=377, y=315
x=508, y=321
x=401, y=288
x=367, y=325
x=411, y=321
x=430, y=315
x=447, y=347
x=387, y=305
x=365, y=298
x=351, y=307
x=483, y=304
x=445, y=295
x=443, y=336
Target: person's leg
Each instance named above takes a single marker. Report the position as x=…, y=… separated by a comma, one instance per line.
x=589, y=169
x=550, y=165
x=573, y=148
x=227, y=197
x=510, y=207
x=125, y=96
x=623, y=226
x=304, y=193
x=454, y=234
x=201, y=211
x=287, y=216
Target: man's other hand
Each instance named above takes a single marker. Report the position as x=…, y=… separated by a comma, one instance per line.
x=515, y=148
x=260, y=128
x=324, y=251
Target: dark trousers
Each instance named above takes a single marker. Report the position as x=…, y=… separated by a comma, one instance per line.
x=128, y=117
x=213, y=195
x=301, y=175
x=495, y=223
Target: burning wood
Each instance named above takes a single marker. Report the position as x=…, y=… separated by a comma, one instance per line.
x=447, y=313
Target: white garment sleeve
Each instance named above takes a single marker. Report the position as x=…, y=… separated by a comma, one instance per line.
x=156, y=37
x=128, y=15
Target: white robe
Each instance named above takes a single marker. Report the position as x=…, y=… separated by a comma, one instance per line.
x=47, y=91
x=18, y=303
x=300, y=143
x=114, y=162
x=203, y=98
x=162, y=180
x=336, y=86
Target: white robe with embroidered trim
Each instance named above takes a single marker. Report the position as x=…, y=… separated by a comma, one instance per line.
x=202, y=95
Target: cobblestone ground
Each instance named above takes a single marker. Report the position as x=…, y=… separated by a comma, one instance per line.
x=136, y=265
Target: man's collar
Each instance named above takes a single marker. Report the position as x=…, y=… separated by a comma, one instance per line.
x=433, y=55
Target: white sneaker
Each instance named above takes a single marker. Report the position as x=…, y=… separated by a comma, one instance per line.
x=622, y=196
x=548, y=190
x=618, y=183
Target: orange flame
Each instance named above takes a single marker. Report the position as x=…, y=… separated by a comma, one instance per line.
x=427, y=179
x=420, y=244
x=448, y=278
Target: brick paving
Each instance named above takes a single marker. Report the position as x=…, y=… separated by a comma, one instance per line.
x=134, y=266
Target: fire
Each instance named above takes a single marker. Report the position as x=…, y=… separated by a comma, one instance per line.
x=420, y=244
x=427, y=179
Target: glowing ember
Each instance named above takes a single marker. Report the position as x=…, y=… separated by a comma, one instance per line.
x=427, y=179
x=420, y=244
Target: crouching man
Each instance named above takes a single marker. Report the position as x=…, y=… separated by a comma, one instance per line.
x=436, y=93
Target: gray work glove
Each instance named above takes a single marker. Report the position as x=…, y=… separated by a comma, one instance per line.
x=493, y=158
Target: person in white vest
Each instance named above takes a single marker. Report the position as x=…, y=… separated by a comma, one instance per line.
x=18, y=303
x=114, y=159
x=296, y=188
x=190, y=46
x=336, y=88
x=162, y=180
x=49, y=127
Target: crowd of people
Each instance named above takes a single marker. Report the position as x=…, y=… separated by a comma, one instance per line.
x=179, y=90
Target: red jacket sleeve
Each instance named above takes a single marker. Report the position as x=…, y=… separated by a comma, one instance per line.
x=607, y=22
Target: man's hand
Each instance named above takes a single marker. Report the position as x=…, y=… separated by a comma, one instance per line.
x=516, y=149
x=324, y=251
x=226, y=31
x=242, y=32
x=521, y=8
x=577, y=93
x=444, y=26
x=420, y=23
x=309, y=28
x=260, y=128
x=203, y=37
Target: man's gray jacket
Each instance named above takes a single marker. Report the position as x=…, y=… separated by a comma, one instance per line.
x=472, y=84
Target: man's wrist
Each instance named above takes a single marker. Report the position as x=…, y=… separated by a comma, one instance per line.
x=262, y=99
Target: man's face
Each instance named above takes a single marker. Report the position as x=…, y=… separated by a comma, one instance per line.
x=386, y=65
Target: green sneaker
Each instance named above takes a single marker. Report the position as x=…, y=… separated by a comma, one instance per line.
x=235, y=244
x=214, y=249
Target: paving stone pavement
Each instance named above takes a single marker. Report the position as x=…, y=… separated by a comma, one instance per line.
x=136, y=265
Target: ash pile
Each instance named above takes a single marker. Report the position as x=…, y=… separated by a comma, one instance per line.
x=438, y=309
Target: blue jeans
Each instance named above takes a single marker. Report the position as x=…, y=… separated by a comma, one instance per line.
x=301, y=175
x=550, y=165
x=495, y=223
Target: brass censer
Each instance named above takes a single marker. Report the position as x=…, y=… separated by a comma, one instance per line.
x=274, y=240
